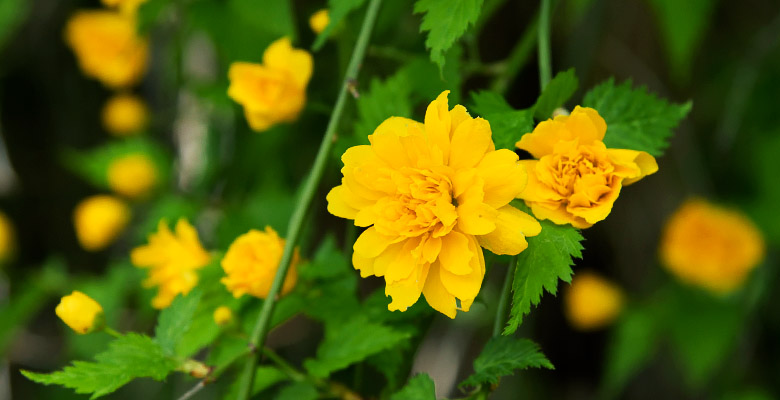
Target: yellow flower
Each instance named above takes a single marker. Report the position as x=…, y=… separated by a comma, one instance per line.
x=432, y=195
x=711, y=246
x=107, y=47
x=592, y=302
x=132, y=175
x=223, y=315
x=125, y=115
x=575, y=178
x=7, y=238
x=173, y=261
x=274, y=91
x=319, y=21
x=251, y=263
x=124, y=6
x=99, y=220
x=80, y=312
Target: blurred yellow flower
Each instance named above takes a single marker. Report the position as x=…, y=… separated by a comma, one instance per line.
x=711, y=246
x=80, y=312
x=223, y=315
x=592, y=302
x=107, y=46
x=274, y=91
x=575, y=178
x=7, y=237
x=124, y=6
x=319, y=21
x=125, y=115
x=173, y=261
x=432, y=195
x=132, y=175
x=251, y=263
x=99, y=220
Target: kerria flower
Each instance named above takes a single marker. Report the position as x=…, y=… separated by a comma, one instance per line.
x=173, y=261
x=319, y=21
x=133, y=175
x=592, y=302
x=710, y=246
x=432, y=196
x=107, y=46
x=124, y=6
x=99, y=220
x=274, y=91
x=575, y=179
x=80, y=312
x=251, y=263
x=124, y=115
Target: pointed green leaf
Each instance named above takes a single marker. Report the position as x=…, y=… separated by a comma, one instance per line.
x=503, y=355
x=507, y=124
x=175, y=320
x=420, y=387
x=446, y=21
x=555, y=94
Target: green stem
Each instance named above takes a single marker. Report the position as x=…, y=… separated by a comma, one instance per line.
x=286, y=367
x=262, y=325
x=111, y=332
x=517, y=57
x=545, y=65
x=503, y=301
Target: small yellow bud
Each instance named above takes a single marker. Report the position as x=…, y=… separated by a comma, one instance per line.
x=223, y=315
x=99, y=220
x=125, y=115
x=7, y=240
x=592, y=302
x=80, y=312
x=133, y=175
x=319, y=21
x=124, y=6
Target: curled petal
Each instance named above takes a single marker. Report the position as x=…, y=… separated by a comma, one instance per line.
x=512, y=227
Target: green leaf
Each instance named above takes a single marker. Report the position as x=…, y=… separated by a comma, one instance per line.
x=503, y=355
x=420, y=387
x=348, y=342
x=12, y=13
x=128, y=357
x=556, y=93
x=298, y=391
x=507, y=124
x=547, y=259
x=384, y=99
x=636, y=119
x=337, y=11
x=265, y=377
x=175, y=320
x=446, y=21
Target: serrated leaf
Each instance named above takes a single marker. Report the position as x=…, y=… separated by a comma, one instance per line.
x=349, y=342
x=420, y=387
x=507, y=124
x=337, y=11
x=556, y=93
x=384, y=99
x=175, y=320
x=328, y=262
x=636, y=119
x=446, y=21
x=547, y=259
x=128, y=357
x=503, y=355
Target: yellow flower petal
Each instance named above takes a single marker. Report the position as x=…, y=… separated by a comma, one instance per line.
x=470, y=142
x=407, y=291
x=512, y=227
x=338, y=206
x=476, y=218
x=436, y=295
x=281, y=56
x=455, y=255
x=504, y=178
x=371, y=243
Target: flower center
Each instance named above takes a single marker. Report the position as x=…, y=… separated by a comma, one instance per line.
x=567, y=170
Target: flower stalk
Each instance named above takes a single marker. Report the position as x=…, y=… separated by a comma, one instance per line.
x=545, y=65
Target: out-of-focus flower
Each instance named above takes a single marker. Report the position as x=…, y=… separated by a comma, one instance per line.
x=711, y=246
x=172, y=260
x=575, y=178
x=124, y=6
x=251, y=263
x=592, y=302
x=125, y=115
x=132, y=175
x=80, y=312
x=107, y=46
x=223, y=315
x=99, y=220
x=432, y=195
x=7, y=238
x=319, y=21
x=274, y=91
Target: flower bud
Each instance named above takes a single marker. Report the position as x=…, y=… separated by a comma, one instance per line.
x=80, y=312
x=223, y=316
x=592, y=302
x=99, y=220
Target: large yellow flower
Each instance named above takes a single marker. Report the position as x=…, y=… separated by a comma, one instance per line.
x=711, y=246
x=251, y=263
x=107, y=46
x=274, y=91
x=173, y=261
x=575, y=178
x=432, y=195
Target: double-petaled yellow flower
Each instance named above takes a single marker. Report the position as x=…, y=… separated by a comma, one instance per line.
x=575, y=179
x=107, y=46
x=251, y=263
x=80, y=312
x=711, y=246
x=592, y=302
x=133, y=175
x=125, y=115
x=172, y=260
x=432, y=195
x=99, y=220
x=274, y=91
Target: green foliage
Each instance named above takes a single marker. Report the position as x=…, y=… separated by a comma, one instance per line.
x=12, y=13
x=419, y=387
x=555, y=94
x=636, y=119
x=175, y=320
x=298, y=391
x=332, y=292
x=503, y=355
x=337, y=11
x=508, y=125
x=547, y=259
x=265, y=377
x=128, y=357
x=151, y=13
x=383, y=100
x=446, y=21
x=351, y=341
